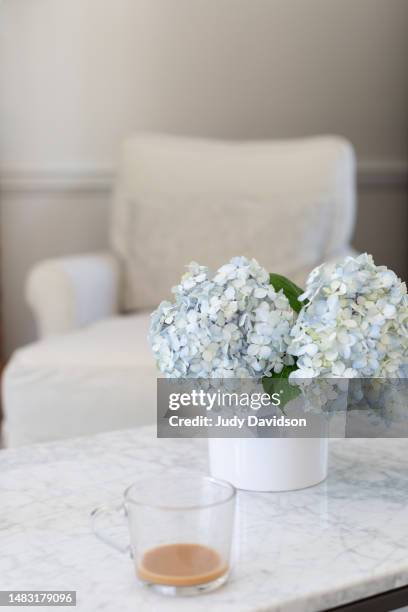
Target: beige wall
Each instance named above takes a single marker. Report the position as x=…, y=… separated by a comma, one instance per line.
x=36, y=225
x=382, y=227
x=76, y=76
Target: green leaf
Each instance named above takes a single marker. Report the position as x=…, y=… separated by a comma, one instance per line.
x=279, y=383
x=291, y=290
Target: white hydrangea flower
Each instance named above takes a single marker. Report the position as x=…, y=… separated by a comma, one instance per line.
x=231, y=325
x=354, y=322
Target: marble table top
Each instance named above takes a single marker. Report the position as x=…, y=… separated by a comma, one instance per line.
x=342, y=540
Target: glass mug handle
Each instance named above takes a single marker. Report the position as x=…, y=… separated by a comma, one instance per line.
x=109, y=511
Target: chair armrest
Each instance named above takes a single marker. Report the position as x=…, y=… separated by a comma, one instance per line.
x=70, y=292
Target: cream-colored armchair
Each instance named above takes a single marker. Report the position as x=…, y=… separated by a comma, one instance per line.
x=289, y=204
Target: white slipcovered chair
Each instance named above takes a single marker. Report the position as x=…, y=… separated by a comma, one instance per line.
x=290, y=204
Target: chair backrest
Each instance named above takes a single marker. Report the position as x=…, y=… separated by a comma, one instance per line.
x=290, y=204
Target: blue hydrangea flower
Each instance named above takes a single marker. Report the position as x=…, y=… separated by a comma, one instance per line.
x=354, y=322
x=231, y=324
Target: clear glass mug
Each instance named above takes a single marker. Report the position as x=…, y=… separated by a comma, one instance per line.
x=180, y=528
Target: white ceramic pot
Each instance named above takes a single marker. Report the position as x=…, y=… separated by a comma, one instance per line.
x=269, y=464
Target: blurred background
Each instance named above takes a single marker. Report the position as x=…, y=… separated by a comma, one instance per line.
x=79, y=76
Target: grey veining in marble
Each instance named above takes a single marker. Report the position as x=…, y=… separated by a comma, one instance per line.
x=305, y=550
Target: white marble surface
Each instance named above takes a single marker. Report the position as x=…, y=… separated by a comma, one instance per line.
x=300, y=551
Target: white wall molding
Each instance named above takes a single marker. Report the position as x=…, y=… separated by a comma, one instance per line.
x=80, y=178
x=382, y=173
x=371, y=174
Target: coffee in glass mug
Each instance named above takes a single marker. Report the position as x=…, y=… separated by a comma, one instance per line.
x=181, y=529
